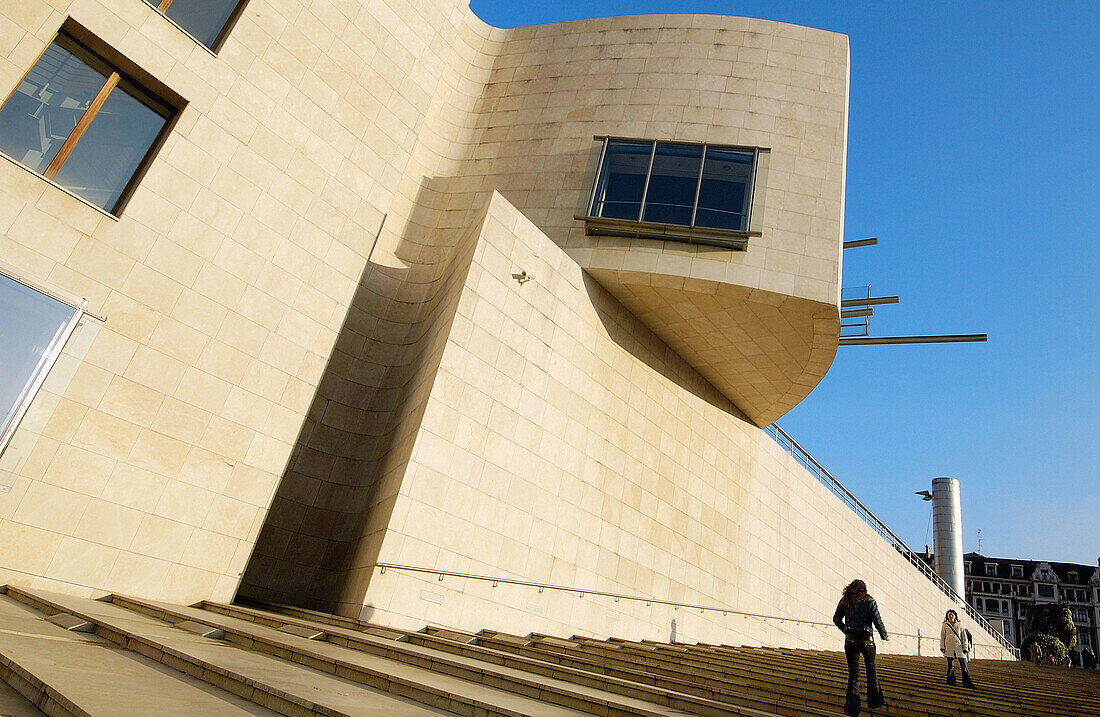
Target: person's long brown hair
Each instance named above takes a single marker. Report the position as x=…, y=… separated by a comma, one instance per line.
x=854, y=593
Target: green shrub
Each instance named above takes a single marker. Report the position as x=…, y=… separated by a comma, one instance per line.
x=1052, y=627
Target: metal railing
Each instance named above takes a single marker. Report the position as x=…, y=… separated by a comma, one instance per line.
x=808, y=462
x=581, y=593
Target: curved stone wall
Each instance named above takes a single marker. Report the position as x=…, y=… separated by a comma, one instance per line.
x=715, y=79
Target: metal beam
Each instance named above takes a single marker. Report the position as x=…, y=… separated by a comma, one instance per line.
x=870, y=300
x=860, y=242
x=937, y=339
x=851, y=313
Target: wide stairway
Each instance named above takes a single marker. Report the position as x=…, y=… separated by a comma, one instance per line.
x=63, y=655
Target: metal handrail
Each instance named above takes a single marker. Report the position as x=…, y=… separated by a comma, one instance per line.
x=383, y=567
x=581, y=592
x=810, y=463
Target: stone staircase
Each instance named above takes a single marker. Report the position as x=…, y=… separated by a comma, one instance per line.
x=64, y=655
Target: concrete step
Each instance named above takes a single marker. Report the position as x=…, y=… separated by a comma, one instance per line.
x=551, y=687
x=640, y=679
x=279, y=684
x=63, y=672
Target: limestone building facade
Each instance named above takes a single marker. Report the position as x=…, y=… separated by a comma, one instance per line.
x=372, y=308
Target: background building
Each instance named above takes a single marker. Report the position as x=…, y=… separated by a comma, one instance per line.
x=371, y=308
x=1004, y=589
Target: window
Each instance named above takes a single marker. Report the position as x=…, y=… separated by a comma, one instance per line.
x=33, y=329
x=1080, y=615
x=1004, y=607
x=1072, y=577
x=76, y=120
x=208, y=21
x=1018, y=571
x=991, y=569
x=697, y=193
x=978, y=603
x=966, y=567
x=1046, y=591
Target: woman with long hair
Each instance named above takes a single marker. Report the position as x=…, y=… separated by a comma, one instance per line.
x=855, y=615
x=955, y=644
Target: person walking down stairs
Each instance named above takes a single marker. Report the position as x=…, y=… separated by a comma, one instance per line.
x=855, y=614
x=955, y=644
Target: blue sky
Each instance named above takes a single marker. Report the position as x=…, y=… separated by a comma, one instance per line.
x=974, y=156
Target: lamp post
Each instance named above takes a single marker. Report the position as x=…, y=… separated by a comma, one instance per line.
x=947, y=531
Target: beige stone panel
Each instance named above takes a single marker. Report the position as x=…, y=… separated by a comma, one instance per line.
x=129, y=318
x=156, y=370
x=204, y=390
x=131, y=401
x=64, y=420
x=181, y=420
x=134, y=487
x=158, y=453
x=209, y=551
x=51, y=508
x=185, y=584
x=206, y=470
x=107, y=524
x=161, y=538
x=250, y=485
x=87, y=470
x=230, y=517
x=226, y=438
x=134, y=574
x=184, y=503
x=81, y=562
x=27, y=548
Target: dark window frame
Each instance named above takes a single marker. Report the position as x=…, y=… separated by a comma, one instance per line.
x=161, y=6
x=119, y=73
x=692, y=233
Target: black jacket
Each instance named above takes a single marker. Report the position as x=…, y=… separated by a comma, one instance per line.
x=857, y=619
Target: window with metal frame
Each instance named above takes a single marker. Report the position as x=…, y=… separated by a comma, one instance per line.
x=208, y=21
x=75, y=119
x=33, y=329
x=698, y=193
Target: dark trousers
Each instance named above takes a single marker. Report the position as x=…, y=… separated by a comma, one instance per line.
x=854, y=646
x=962, y=668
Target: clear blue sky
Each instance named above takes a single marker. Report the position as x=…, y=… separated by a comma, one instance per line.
x=974, y=156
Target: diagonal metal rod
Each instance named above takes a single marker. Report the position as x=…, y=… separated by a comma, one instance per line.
x=860, y=242
x=936, y=339
x=870, y=300
x=850, y=313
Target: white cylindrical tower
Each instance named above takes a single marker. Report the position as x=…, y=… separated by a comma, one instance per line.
x=947, y=524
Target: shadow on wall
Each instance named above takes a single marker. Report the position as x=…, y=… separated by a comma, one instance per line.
x=639, y=341
x=335, y=499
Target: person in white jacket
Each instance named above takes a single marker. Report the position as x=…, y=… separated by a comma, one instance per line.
x=955, y=644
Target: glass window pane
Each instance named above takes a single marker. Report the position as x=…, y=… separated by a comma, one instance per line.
x=672, y=183
x=204, y=19
x=110, y=151
x=622, y=180
x=724, y=192
x=30, y=324
x=44, y=109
